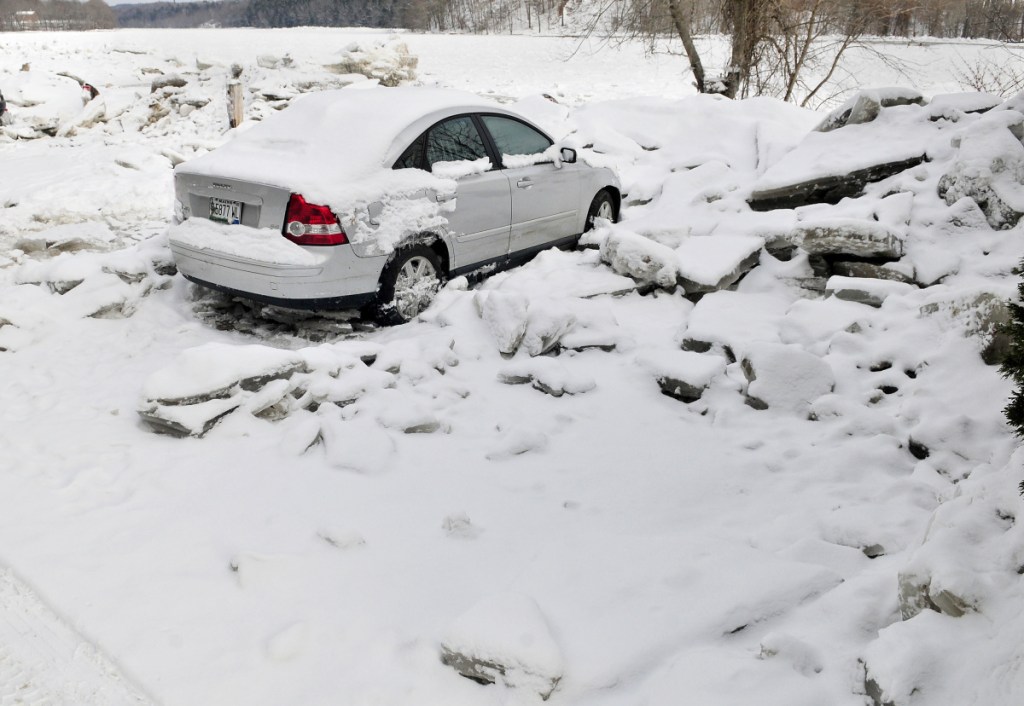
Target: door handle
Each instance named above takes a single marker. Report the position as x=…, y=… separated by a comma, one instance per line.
x=524, y=183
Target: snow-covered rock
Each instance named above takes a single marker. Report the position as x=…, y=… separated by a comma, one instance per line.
x=734, y=320
x=962, y=583
x=989, y=168
x=862, y=290
x=547, y=375
x=850, y=237
x=649, y=263
x=710, y=263
x=982, y=317
x=828, y=166
x=785, y=377
x=683, y=375
x=866, y=105
x=505, y=638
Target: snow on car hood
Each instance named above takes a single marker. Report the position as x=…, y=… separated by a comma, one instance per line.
x=333, y=146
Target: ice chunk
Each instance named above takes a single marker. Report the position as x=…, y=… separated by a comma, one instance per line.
x=708, y=263
x=646, y=261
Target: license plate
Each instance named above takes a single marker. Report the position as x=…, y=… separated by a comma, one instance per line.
x=225, y=211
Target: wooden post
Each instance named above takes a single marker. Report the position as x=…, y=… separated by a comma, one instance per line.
x=236, y=103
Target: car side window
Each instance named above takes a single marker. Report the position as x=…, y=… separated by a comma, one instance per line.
x=454, y=140
x=515, y=137
x=413, y=155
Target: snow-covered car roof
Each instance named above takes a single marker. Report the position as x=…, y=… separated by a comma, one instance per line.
x=334, y=137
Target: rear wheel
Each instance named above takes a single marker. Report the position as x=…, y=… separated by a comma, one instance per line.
x=603, y=206
x=408, y=285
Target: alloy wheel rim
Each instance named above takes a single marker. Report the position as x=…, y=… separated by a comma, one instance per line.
x=415, y=286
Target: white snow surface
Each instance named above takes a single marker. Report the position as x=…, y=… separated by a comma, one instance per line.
x=367, y=488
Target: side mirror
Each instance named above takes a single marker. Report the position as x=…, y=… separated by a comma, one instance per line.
x=568, y=155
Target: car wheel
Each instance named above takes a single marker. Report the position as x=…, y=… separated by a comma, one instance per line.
x=408, y=285
x=603, y=206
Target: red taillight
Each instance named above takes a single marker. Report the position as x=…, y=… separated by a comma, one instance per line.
x=309, y=224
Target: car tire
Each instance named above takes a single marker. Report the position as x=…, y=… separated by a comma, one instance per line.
x=603, y=206
x=408, y=285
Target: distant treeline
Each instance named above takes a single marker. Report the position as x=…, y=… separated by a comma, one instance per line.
x=996, y=19
x=230, y=13
x=55, y=15
x=267, y=13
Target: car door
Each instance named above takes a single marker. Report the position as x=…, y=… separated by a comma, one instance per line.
x=480, y=220
x=545, y=197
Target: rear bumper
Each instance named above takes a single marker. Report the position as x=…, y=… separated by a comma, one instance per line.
x=352, y=301
x=341, y=282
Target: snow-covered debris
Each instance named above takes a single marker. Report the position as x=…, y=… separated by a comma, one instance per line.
x=505, y=314
x=855, y=268
x=94, y=112
x=948, y=106
x=206, y=383
x=210, y=381
x=212, y=370
x=961, y=584
x=167, y=81
x=683, y=375
x=546, y=327
x=710, y=263
x=39, y=102
x=785, y=377
x=389, y=62
x=983, y=317
x=865, y=106
x=872, y=292
x=734, y=320
x=649, y=263
x=85, y=283
x=989, y=168
x=828, y=166
x=505, y=638
x=813, y=323
x=858, y=238
x=547, y=375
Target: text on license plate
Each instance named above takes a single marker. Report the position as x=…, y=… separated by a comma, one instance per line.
x=225, y=211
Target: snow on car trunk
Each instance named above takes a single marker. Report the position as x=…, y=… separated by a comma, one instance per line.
x=336, y=147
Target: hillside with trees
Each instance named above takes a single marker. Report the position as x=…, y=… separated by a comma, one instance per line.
x=228, y=13
x=55, y=15
x=995, y=19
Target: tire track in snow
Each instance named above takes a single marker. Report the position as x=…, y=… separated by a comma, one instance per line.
x=44, y=662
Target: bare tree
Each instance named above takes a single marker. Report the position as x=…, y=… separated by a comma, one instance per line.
x=682, y=20
x=808, y=38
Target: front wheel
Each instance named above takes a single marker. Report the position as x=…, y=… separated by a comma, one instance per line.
x=408, y=285
x=603, y=206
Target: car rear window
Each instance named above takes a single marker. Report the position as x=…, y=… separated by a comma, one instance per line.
x=413, y=156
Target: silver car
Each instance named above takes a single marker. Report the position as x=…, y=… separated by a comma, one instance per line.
x=373, y=198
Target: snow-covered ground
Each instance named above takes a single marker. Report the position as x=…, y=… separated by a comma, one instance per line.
x=830, y=519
